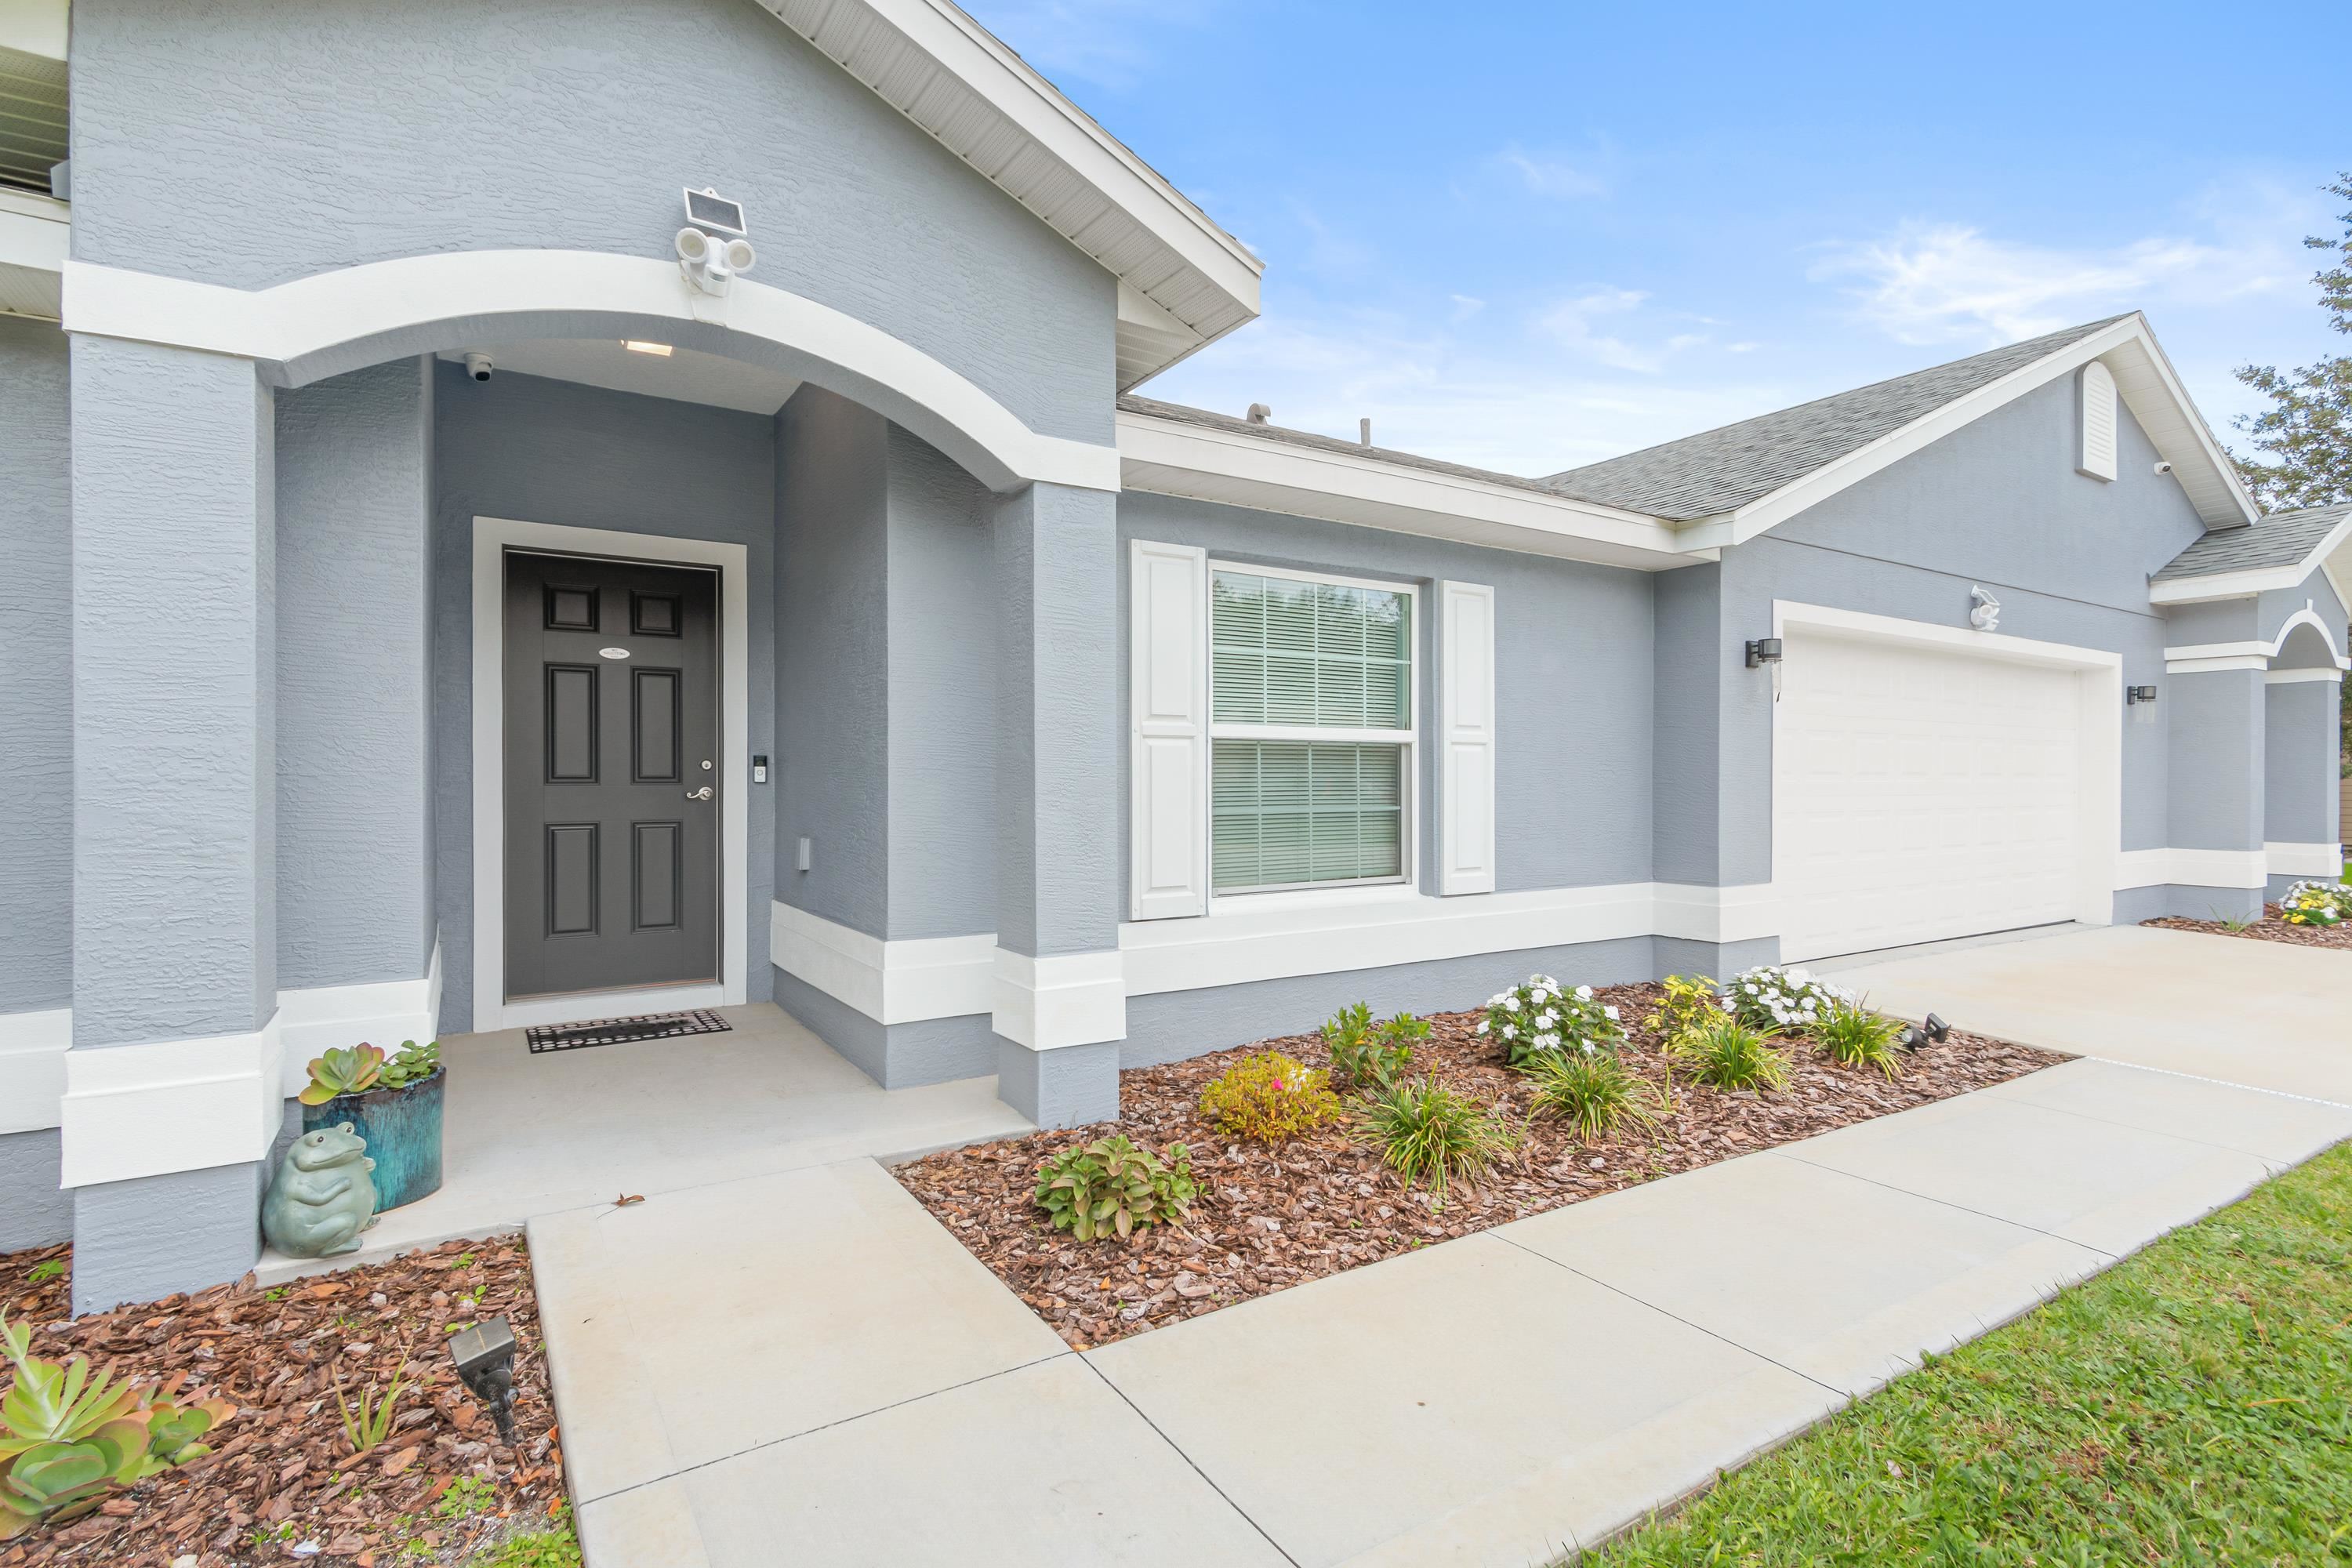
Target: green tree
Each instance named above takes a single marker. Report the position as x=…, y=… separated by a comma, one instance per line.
x=2306, y=432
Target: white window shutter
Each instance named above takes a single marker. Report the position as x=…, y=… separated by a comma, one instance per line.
x=1169, y=706
x=1466, y=626
x=2098, y=422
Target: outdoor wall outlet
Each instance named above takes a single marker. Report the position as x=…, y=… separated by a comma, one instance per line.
x=803, y=860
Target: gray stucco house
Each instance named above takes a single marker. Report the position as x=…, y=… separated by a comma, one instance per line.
x=431, y=603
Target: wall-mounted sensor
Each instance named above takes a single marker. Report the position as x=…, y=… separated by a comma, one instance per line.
x=2164, y=468
x=760, y=767
x=803, y=862
x=478, y=365
x=711, y=261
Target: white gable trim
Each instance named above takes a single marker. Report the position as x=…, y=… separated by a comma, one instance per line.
x=948, y=75
x=2142, y=374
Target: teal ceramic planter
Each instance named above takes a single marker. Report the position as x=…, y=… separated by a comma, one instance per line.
x=403, y=1129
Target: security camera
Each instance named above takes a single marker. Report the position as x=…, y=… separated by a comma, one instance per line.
x=2164, y=468
x=711, y=261
x=478, y=365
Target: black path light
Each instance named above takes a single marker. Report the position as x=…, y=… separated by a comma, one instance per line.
x=1934, y=1032
x=484, y=1356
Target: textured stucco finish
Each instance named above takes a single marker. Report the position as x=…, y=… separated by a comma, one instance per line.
x=354, y=694
x=1076, y=1086
x=174, y=670
x=1059, y=855
x=37, y=653
x=552, y=451
x=832, y=663
x=34, y=1210
x=2301, y=784
x=2218, y=747
x=252, y=142
x=138, y=1240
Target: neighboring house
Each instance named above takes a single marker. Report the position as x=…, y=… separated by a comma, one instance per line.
x=847, y=638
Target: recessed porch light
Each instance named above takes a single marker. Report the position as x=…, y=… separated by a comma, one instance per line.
x=636, y=347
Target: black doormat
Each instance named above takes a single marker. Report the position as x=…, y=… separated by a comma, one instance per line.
x=619, y=1031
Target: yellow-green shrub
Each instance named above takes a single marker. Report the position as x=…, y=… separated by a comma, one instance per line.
x=1270, y=1097
x=1688, y=1001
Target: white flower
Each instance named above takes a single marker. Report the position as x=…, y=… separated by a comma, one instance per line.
x=1610, y=1013
x=1547, y=1041
x=1481, y=1028
x=1797, y=976
x=1584, y=993
x=1510, y=1031
x=1546, y=980
x=1547, y=1017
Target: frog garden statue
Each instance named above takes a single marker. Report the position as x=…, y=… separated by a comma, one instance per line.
x=323, y=1196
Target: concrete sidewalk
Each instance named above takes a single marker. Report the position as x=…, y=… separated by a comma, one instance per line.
x=806, y=1367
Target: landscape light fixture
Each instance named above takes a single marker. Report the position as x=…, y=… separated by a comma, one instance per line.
x=2139, y=694
x=484, y=1357
x=1762, y=651
x=714, y=246
x=1934, y=1032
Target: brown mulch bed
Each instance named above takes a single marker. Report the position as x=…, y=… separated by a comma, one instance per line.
x=2270, y=928
x=282, y=1474
x=1268, y=1217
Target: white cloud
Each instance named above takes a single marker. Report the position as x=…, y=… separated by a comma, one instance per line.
x=1465, y=306
x=1490, y=404
x=1950, y=283
x=1545, y=174
x=1107, y=42
x=1571, y=323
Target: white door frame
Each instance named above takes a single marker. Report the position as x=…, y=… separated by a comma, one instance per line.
x=2099, y=732
x=492, y=538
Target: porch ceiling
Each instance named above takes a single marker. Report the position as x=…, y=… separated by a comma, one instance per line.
x=683, y=375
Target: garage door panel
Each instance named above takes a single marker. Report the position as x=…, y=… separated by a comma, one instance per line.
x=1919, y=795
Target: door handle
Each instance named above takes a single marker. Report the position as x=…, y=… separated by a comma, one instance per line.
x=702, y=794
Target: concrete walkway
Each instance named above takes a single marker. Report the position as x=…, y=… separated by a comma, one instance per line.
x=805, y=1367
x=2268, y=1014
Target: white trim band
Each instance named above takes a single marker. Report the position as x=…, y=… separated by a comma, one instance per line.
x=2191, y=868
x=130, y=1111
x=2305, y=860
x=382, y=300
x=33, y=1049
x=902, y=982
x=1070, y=999
x=2291, y=677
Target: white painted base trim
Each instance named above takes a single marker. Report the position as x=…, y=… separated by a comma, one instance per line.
x=2305, y=860
x=33, y=1067
x=492, y=537
x=1070, y=999
x=2190, y=868
x=130, y=1111
x=901, y=982
x=34, y=1046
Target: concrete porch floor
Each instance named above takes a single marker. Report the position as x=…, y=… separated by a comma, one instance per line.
x=530, y=1135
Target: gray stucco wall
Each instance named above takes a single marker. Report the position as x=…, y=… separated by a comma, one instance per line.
x=34, y=1210
x=37, y=653
x=549, y=452
x=831, y=669
x=251, y=141
x=2301, y=796
x=1573, y=680
x=1996, y=503
x=355, y=852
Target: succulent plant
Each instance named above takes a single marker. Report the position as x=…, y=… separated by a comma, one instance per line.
x=67, y=1437
x=1111, y=1186
x=412, y=1064
x=353, y=1072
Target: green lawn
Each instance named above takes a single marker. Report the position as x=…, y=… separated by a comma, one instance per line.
x=2193, y=1404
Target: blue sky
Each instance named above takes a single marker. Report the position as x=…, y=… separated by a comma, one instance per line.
x=1527, y=236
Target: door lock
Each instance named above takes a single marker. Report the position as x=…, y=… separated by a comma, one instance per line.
x=702, y=794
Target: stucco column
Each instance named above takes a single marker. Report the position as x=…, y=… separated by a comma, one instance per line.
x=174, y=1088
x=2214, y=729
x=1060, y=1003
x=2302, y=796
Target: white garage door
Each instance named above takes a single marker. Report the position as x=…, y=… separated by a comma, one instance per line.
x=1919, y=795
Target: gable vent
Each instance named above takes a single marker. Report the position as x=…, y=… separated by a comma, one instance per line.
x=2098, y=459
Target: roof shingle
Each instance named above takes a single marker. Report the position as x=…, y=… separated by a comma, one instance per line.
x=2278, y=538
x=1722, y=470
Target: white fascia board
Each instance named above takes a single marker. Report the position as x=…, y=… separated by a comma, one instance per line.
x=1172, y=457
x=2256, y=581
x=2142, y=374
x=33, y=231
x=886, y=42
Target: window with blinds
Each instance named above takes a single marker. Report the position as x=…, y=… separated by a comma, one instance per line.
x=1311, y=695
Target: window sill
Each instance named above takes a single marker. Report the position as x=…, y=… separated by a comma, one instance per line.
x=1231, y=905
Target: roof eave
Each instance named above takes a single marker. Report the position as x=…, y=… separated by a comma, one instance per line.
x=984, y=103
x=2331, y=555
x=2144, y=376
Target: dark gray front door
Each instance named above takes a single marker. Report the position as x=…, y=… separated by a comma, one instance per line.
x=611, y=774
